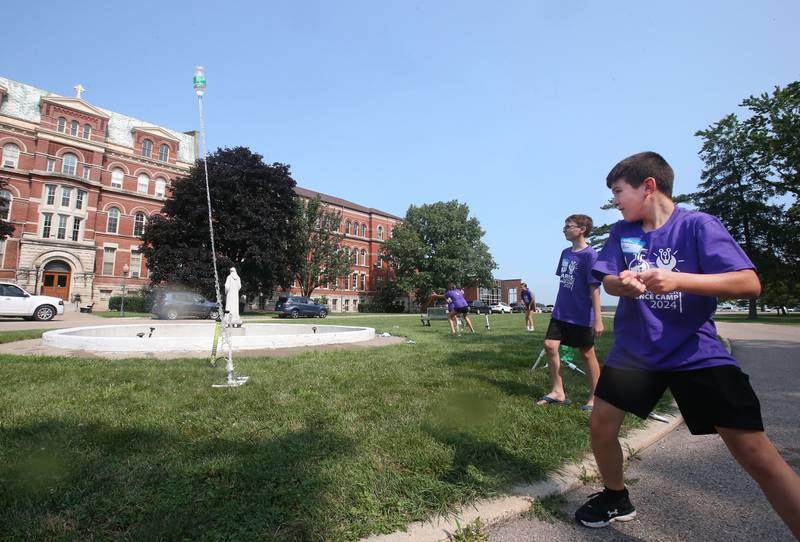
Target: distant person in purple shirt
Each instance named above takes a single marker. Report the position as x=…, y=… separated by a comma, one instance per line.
x=529, y=302
x=669, y=265
x=456, y=305
x=576, y=319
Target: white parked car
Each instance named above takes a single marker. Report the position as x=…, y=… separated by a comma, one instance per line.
x=501, y=308
x=14, y=301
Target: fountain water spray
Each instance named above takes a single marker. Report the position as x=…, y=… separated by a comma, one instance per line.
x=232, y=380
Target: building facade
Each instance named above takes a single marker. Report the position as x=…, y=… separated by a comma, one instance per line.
x=81, y=183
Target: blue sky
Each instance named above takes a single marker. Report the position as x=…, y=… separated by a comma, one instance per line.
x=518, y=109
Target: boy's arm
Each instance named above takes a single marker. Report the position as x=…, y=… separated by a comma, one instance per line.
x=626, y=284
x=732, y=285
x=598, y=317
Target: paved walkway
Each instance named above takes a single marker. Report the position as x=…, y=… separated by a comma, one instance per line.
x=689, y=488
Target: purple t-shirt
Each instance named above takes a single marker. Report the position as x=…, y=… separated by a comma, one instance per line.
x=574, y=299
x=527, y=296
x=672, y=331
x=456, y=298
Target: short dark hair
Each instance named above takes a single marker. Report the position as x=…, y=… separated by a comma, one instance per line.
x=636, y=168
x=582, y=221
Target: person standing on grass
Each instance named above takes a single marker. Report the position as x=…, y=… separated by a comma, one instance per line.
x=576, y=319
x=529, y=302
x=668, y=266
x=456, y=304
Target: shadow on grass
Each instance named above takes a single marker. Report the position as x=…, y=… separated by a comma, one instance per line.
x=75, y=481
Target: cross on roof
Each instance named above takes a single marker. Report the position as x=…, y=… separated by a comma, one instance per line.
x=79, y=90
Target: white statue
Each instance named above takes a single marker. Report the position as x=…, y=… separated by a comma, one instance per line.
x=232, y=286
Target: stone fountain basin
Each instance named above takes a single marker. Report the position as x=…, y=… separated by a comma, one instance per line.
x=185, y=337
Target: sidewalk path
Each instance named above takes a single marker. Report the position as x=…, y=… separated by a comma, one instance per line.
x=689, y=488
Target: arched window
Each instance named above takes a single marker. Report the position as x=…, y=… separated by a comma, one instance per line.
x=10, y=155
x=363, y=257
x=355, y=256
x=73, y=128
x=138, y=224
x=163, y=152
x=347, y=227
x=143, y=183
x=87, y=131
x=363, y=281
x=113, y=220
x=161, y=187
x=363, y=230
x=147, y=148
x=116, y=177
x=355, y=281
x=380, y=232
x=69, y=164
x=62, y=125
x=5, y=206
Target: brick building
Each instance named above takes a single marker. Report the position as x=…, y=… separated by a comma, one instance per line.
x=81, y=183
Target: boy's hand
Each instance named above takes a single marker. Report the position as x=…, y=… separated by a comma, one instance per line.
x=630, y=284
x=659, y=281
x=598, y=327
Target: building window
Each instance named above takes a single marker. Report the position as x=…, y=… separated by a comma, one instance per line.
x=80, y=196
x=346, y=282
x=73, y=128
x=363, y=230
x=10, y=155
x=138, y=224
x=346, y=307
x=380, y=233
x=62, y=125
x=51, y=164
x=161, y=188
x=47, y=223
x=355, y=281
x=51, y=194
x=66, y=196
x=87, y=172
x=136, y=263
x=87, y=131
x=76, y=228
x=61, y=233
x=69, y=164
x=355, y=256
x=163, y=152
x=363, y=281
x=379, y=262
x=109, y=254
x=347, y=227
x=512, y=295
x=116, y=177
x=147, y=148
x=363, y=257
x=143, y=183
x=113, y=220
x=5, y=205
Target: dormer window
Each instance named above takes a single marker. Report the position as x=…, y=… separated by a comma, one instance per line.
x=163, y=152
x=147, y=148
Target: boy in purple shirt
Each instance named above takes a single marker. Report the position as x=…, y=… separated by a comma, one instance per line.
x=576, y=319
x=668, y=265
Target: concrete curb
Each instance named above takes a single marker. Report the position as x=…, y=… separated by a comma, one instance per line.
x=519, y=500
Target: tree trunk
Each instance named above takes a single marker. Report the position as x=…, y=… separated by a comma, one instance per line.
x=752, y=312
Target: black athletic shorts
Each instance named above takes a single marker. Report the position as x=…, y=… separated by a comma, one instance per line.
x=709, y=397
x=461, y=310
x=570, y=334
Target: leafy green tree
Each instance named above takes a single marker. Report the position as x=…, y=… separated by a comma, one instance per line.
x=317, y=242
x=6, y=228
x=736, y=189
x=437, y=243
x=253, y=210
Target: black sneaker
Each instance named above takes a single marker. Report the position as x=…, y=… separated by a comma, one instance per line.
x=604, y=507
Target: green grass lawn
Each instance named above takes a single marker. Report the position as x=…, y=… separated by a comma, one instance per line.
x=20, y=335
x=319, y=446
x=117, y=314
x=791, y=319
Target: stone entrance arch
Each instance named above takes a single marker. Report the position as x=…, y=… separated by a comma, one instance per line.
x=56, y=276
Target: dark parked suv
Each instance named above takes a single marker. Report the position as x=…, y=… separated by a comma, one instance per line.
x=296, y=306
x=479, y=307
x=172, y=305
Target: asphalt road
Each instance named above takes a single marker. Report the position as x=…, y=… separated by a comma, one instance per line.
x=689, y=488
